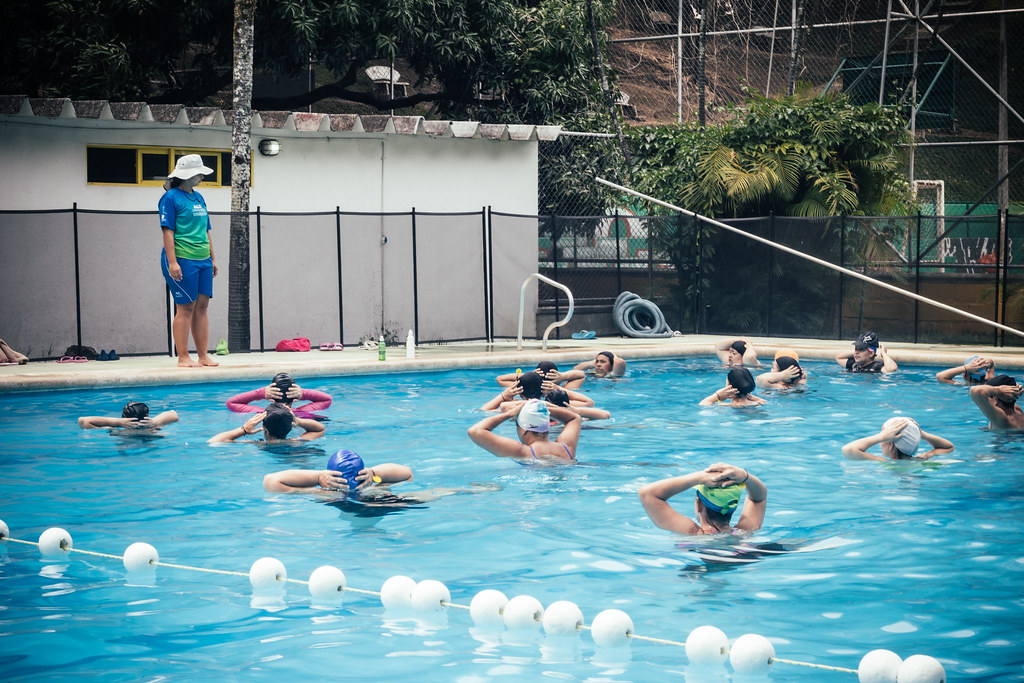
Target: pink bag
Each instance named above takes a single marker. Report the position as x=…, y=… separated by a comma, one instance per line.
x=297, y=344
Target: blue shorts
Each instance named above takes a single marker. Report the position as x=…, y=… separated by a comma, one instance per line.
x=196, y=279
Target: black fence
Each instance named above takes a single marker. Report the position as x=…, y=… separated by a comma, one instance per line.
x=709, y=280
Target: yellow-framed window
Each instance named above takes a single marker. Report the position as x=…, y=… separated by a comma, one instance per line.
x=148, y=166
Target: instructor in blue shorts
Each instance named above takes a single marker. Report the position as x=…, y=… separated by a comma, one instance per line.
x=188, y=262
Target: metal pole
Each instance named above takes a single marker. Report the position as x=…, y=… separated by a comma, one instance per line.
x=415, y=280
x=885, y=53
x=1002, y=153
x=771, y=271
x=490, y=266
x=341, y=298
x=917, y=278
x=1000, y=277
x=259, y=271
x=842, y=262
x=618, y=253
x=701, y=57
x=913, y=107
x=78, y=283
x=679, y=64
x=698, y=264
x=554, y=256
x=488, y=332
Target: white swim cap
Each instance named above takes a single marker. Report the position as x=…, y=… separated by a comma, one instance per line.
x=534, y=416
x=909, y=439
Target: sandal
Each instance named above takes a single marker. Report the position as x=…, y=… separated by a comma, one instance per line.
x=67, y=359
x=369, y=345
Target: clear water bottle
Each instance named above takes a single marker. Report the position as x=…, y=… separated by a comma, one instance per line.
x=410, y=345
x=382, y=350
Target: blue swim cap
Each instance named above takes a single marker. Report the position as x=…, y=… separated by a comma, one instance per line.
x=348, y=464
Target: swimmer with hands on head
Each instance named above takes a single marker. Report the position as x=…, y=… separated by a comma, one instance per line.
x=899, y=439
x=737, y=393
x=533, y=419
x=786, y=372
x=997, y=399
x=975, y=370
x=345, y=471
x=134, y=415
x=282, y=389
x=718, y=490
x=547, y=370
x=737, y=352
x=605, y=364
x=276, y=422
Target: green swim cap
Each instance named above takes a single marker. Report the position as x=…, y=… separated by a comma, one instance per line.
x=722, y=500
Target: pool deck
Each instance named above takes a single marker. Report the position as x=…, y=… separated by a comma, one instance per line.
x=156, y=370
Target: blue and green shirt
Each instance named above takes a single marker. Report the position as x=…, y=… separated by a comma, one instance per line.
x=185, y=214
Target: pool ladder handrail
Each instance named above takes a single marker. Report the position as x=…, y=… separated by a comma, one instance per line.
x=522, y=306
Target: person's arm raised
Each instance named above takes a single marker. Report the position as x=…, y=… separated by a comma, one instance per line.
x=482, y=434
x=939, y=446
x=655, y=496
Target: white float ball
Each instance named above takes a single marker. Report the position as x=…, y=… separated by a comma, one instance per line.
x=751, y=654
x=396, y=593
x=139, y=556
x=879, y=666
x=523, y=612
x=327, y=583
x=266, y=572
x=5, y=533
x=430, y=596
x=611, y=628
x=488, y=607
x=55, y=542
x=707, y=645
x=562, y=618
x=921, y=669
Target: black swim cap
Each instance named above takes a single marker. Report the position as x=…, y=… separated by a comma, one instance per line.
x=559, y=397
x=609, y=355
x=530, y=382
x=741, y=380
x=546, y=366
x=1003, y=380
x=283, y=381
x=787, y=362
x=278, y=421
x=739, y=347
x=135, y=410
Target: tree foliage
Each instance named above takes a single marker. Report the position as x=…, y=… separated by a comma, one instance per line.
x=515, y=60
x=819, y=157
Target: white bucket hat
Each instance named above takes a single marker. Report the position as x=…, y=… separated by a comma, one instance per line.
x=190, y=166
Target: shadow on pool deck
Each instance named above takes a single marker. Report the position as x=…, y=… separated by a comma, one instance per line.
x=151, y=370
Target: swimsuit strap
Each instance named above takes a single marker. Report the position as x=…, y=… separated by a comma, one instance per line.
x=534, y=454
x=571, y=457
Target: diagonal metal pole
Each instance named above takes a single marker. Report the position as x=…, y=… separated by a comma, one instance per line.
x=814, y=259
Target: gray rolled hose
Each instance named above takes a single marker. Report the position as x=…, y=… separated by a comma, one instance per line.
x=636, y=317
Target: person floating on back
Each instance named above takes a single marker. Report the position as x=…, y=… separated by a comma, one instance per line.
x=975, y=370
x=737, y=393
x=134, y=419
x=997, y=399
x=898, y=439
x=718, y=489
x=868, y=355
x=737, y=352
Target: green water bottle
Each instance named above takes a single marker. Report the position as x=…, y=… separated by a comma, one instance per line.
x=382, y=351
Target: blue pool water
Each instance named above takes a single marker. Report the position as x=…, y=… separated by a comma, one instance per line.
x=928, y=556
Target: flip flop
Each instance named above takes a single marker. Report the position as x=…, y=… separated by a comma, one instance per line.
x=9, y=362
x=336, y=346
x=113, y=355
x=326, y=347
x=584, y=334
x=369, y=345
x=103, y=355
x=66, y=359
x=80, y=359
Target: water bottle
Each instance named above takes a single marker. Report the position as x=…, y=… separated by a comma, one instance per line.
x=410, y=345
x=382, y=352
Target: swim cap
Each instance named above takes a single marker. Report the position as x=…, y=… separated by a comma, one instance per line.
x=534, y=417
x=741, y=380
x=739, y=347
x=559, y=397
x=909, y=439
x=278, y=421
x=722, y=500
x=283, y=381
x=530, y=382
x=788, y=362
x=609, y=355
x=349, y=464
x=135, y=410
x=546, y=366
x=975, y=375
x=787, y=352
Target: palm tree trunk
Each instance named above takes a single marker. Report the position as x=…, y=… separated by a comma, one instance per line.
x=241, y=146
x=796, y=47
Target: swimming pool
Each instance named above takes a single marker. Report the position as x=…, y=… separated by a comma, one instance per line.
x=932, y=561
